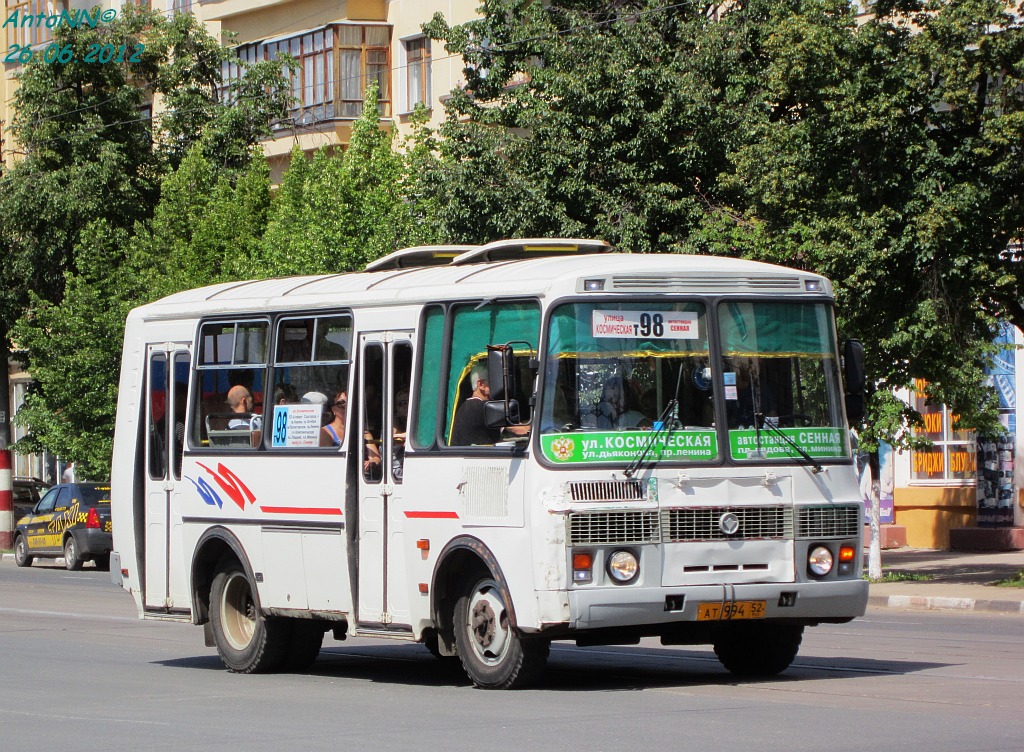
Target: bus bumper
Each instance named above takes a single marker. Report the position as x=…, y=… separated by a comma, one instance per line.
x=809, y=602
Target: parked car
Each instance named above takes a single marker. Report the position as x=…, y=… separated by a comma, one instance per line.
x=71, y=520
x=27, y=492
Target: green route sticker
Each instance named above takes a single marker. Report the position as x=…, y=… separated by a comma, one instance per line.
x=817, y=442
x=623, y=446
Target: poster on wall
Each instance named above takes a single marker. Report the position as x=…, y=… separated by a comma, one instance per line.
x=996, y=455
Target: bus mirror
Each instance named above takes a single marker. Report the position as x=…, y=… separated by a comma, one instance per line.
x=853, y=374
x=853, y=366
x=501, y=371
x=498, y=414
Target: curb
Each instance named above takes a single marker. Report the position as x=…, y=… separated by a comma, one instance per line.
x=58, y=560
x=945, y=604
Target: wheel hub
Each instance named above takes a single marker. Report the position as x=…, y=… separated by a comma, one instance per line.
x=488, y=625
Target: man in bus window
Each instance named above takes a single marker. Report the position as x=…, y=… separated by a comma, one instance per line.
x=469, y=427
x=240, y=401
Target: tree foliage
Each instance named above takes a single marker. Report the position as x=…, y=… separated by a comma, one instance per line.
x=882, y=152
x=76, y=209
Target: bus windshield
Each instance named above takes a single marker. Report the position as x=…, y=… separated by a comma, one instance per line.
x=613, y=368
x=780, y=378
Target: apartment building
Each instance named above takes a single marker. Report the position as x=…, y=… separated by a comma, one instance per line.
x=341, y=46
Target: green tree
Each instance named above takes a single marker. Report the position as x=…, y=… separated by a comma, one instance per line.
x=884, y=154
x=336, y=212
x=81, y=198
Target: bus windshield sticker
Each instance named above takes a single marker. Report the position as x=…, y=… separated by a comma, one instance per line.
x=817, y=442
x=296, y=426
x=622, y=446
x=645, y=324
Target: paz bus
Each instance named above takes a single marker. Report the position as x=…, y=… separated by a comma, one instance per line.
x=659, y=449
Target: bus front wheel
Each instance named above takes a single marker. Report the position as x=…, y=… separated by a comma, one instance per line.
x=493, y=654
x=247, y=641
x=758, y=650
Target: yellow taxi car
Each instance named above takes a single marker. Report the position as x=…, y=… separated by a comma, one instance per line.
x=71, y=520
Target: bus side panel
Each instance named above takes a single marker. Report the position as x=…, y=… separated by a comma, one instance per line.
x=125, y=497
x=290, y=523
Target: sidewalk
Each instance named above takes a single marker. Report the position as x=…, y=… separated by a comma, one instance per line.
x=958, y=581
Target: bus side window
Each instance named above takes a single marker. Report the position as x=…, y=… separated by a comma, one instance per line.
x=231, y=355
x=401, y=372
x=373, y=412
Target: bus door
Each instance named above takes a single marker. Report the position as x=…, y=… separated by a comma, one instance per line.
x=167, y=373
x=379, y=442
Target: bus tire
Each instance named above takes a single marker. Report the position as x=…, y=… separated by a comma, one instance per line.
x=761, y=650
x=493, y=655
x=247, y=641
x=307, y=637
x=72, y=559
x=21, y=555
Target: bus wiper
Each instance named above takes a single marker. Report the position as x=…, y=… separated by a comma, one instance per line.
x=662, y=426
x=760, y=420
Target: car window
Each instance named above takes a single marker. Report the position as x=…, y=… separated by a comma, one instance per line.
x=93, y=495
x=47, y=502
x=63, y=499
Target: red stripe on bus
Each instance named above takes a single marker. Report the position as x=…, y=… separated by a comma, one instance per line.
x=432, y=515
x=299, y=510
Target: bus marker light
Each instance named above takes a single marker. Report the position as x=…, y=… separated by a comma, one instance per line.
x=424, y=588
x=847, y=557
x=593, y=285
x=582, y=566
x=423, y=544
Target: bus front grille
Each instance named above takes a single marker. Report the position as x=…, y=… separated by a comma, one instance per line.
x=606, y=490
x=706, y=523
x=829, y=522
x=596, y=528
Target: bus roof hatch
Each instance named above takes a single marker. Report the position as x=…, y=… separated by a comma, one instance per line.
x=514, y=250
x=418, y=256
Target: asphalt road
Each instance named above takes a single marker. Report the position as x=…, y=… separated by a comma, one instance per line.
x=79, y=671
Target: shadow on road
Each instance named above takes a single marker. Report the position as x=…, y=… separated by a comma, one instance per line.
x=603, y=669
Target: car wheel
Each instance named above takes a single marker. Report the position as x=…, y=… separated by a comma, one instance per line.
x=21, y=555
x=72, y=558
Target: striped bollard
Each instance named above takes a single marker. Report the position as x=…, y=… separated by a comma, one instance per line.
x=6, y=500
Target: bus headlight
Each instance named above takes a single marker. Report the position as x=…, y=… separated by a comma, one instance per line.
x=623, y=566
x=819, y=563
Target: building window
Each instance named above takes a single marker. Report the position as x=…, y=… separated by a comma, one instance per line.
x=335, y=65
x=952, y=458
x=182, y=6
x=28, y=30
x=417, y=72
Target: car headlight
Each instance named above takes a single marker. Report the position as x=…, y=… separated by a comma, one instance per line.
x=623, y=566
x=820, y=560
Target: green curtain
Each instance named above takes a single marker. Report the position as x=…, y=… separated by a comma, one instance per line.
x=784, y=329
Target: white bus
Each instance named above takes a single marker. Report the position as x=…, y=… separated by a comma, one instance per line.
x=537, y=440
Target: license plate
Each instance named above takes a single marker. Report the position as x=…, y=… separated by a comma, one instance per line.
x=716, y=611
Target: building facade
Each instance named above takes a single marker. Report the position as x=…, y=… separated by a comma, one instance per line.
x=342, y=46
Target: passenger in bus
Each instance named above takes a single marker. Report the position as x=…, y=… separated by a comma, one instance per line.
x=617, y=408
x=469, y=427
x=240, y=401
x=398, y=433
x=284, y=394
x=333, y=434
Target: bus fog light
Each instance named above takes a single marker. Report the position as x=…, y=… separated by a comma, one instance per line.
x=623, y=566
x=819, y=563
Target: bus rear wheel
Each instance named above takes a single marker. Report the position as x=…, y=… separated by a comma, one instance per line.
x=247, y=641
x=758, y=650
x=493, y=654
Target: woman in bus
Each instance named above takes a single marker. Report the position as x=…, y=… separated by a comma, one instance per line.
x=333, y=434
